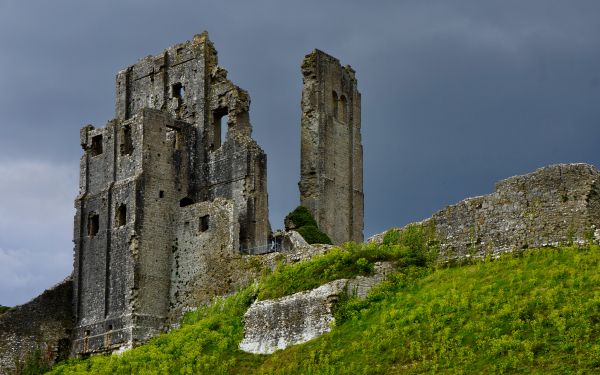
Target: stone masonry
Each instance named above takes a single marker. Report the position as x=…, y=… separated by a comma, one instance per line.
x=555, y=205
x=164, y=189
x=272, y=325
x=44, y=324
x=331, y=180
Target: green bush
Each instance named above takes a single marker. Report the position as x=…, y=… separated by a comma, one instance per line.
x=4, y=309
x=303, y=222
x=35, y=363
x=343, y=262
x=313, y=235
x=300, y=217
x=418, y=242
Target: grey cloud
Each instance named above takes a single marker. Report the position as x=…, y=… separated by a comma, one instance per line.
x=456, y=95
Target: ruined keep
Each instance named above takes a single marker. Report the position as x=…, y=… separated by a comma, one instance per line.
x=168, y=180
x=331, y=178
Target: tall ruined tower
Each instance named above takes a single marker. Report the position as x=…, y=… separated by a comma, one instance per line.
x=174, y=179
x=331, y=182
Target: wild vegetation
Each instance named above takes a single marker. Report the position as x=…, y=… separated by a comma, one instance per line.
x=3, y=309
x=535, y=312
x=35, y=363
x=303, y=222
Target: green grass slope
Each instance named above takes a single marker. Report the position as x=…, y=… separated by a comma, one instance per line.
x=538, y=312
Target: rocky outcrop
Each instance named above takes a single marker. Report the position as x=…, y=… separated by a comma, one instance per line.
x=276, y=324
x=558, y=204
x=44, y=324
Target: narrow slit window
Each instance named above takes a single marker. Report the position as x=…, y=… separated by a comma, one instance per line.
x=96, y=145
x=93, y=224
x=126, y=145
x=220, y=119
x=161, y=194
x=121, y=215
x=204, y=223
x=343, y=109
x=178, y=140
x=334, y=104
x=224, y=127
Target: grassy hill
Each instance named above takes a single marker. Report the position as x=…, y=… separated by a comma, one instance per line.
x=538, y=312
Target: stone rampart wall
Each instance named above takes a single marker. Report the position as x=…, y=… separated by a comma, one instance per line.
x=555, y=205
x=44, y=323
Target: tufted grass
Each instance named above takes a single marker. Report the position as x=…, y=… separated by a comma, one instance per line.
x=538, y=312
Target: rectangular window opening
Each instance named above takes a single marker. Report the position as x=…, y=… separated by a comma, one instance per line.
x=204, y=223
x=93, y=224
x=121, y=215
x=126, y=145
x=177, y=90
x=161, y=194
x=96, y=145
x=220, y=125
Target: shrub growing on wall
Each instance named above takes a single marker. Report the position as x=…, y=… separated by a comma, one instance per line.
x=303, y=222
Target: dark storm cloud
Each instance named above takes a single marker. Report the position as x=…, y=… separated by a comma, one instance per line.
x=456, y=95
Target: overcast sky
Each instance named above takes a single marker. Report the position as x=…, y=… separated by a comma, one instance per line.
x=456, y=96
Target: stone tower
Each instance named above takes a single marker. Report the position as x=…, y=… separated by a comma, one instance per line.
x=331, y=180
x=174, y=179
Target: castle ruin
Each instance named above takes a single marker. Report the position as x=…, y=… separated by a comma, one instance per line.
x=331, y=178
x=180, y=142
x=173, y=193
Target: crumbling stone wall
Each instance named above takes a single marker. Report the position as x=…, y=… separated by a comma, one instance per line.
x=44, y=323
x=123, y=229
x=558, y=204
x=272, y=325
x=331, y=181
x=186, y=82
x=143, y=176
x=205, y=259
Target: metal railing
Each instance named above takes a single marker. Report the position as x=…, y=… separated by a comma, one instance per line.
x=269, y=247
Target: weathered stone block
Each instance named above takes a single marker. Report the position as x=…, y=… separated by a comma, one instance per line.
x=276, y=324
